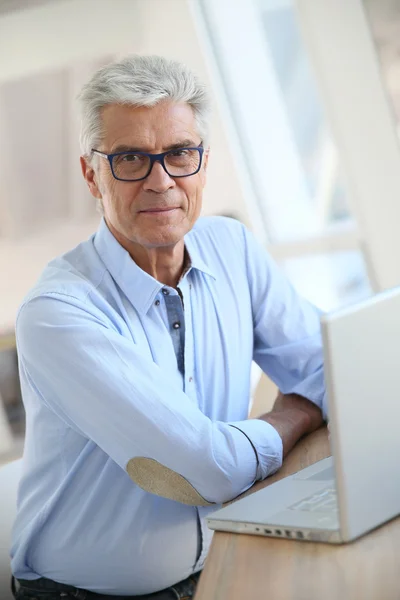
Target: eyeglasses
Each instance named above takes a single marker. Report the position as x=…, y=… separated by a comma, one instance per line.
x=134, y=166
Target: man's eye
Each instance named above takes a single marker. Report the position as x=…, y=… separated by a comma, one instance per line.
x=131, y=157
x=179, y=152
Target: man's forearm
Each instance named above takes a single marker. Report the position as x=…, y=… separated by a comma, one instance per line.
x=291, y=425
x=293, y=416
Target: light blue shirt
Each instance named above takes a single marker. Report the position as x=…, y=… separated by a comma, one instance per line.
x=115, y=365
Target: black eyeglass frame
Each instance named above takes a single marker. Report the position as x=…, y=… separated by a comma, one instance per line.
x=153, y=158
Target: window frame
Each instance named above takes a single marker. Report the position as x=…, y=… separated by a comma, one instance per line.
x=344, y=72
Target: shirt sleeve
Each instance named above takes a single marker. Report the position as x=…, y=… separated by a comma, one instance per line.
x=287, y=333
x=98, y=382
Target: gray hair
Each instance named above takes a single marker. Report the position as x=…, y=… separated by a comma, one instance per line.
x=140, y=81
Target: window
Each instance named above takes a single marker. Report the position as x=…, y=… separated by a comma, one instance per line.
x=384, y=20
x=325, y=191
x=281, y=137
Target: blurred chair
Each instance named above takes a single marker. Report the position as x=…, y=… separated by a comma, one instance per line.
x=6, y=436
x=9, y=480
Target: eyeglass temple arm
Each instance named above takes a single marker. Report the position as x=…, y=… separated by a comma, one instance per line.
x=99, y=153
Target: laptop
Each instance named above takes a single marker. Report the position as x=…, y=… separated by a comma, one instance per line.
x=357, y=489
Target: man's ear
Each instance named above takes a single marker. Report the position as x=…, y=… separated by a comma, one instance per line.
x=204, y=166
x=205, y=158
x=90, y=177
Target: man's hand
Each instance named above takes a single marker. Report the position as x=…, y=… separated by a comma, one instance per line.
x=293, y=416
x=294, y=401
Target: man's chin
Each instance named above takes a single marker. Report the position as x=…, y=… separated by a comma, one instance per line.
x=160, y=237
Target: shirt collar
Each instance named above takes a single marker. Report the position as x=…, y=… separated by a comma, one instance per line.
x=196, y=261
x=139, y=287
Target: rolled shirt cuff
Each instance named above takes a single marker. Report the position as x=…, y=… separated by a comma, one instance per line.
x=265, y=442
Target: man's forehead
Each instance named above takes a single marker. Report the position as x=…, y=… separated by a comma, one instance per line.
x=165, y=123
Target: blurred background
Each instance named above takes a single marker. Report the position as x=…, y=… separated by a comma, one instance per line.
x=304, y=144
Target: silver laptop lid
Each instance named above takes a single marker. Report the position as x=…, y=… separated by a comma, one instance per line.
x=362, y=357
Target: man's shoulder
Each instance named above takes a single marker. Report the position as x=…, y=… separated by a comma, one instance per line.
x=74, y=273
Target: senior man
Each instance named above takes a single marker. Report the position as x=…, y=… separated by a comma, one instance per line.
x=135, y=351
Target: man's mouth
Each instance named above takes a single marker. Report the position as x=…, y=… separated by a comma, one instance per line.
x=159, y=210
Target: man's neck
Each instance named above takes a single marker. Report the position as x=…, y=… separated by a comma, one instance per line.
x=165, y=264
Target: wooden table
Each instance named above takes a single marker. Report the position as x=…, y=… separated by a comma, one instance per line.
x=250, y=567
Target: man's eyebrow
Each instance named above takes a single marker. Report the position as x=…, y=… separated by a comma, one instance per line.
x=183, y=144
x=124, y=148
x=187, y=143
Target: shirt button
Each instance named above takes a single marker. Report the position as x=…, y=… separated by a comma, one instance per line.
x=157, y=303
x=176, y=325
x=165, y=292
x=190, y=379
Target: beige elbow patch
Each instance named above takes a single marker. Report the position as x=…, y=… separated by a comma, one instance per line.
x=157, y=479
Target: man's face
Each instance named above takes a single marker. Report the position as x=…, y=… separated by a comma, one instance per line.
x=136, y=209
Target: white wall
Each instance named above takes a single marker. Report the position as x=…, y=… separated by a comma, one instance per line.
x=54, y=35
x=33, y=128
x=65, y=33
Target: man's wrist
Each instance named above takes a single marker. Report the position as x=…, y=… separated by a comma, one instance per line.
x=291, y=425
x=293, y=417
x=284, y=403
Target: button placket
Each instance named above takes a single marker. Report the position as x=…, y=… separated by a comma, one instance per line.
x=189, y=383
x=176, y=321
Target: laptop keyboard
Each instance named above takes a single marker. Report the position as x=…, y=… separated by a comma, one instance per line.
x=324, y=500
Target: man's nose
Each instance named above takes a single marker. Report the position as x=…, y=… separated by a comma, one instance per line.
x=158, y=181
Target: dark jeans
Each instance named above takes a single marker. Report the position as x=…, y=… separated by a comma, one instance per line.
x=45, y=589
